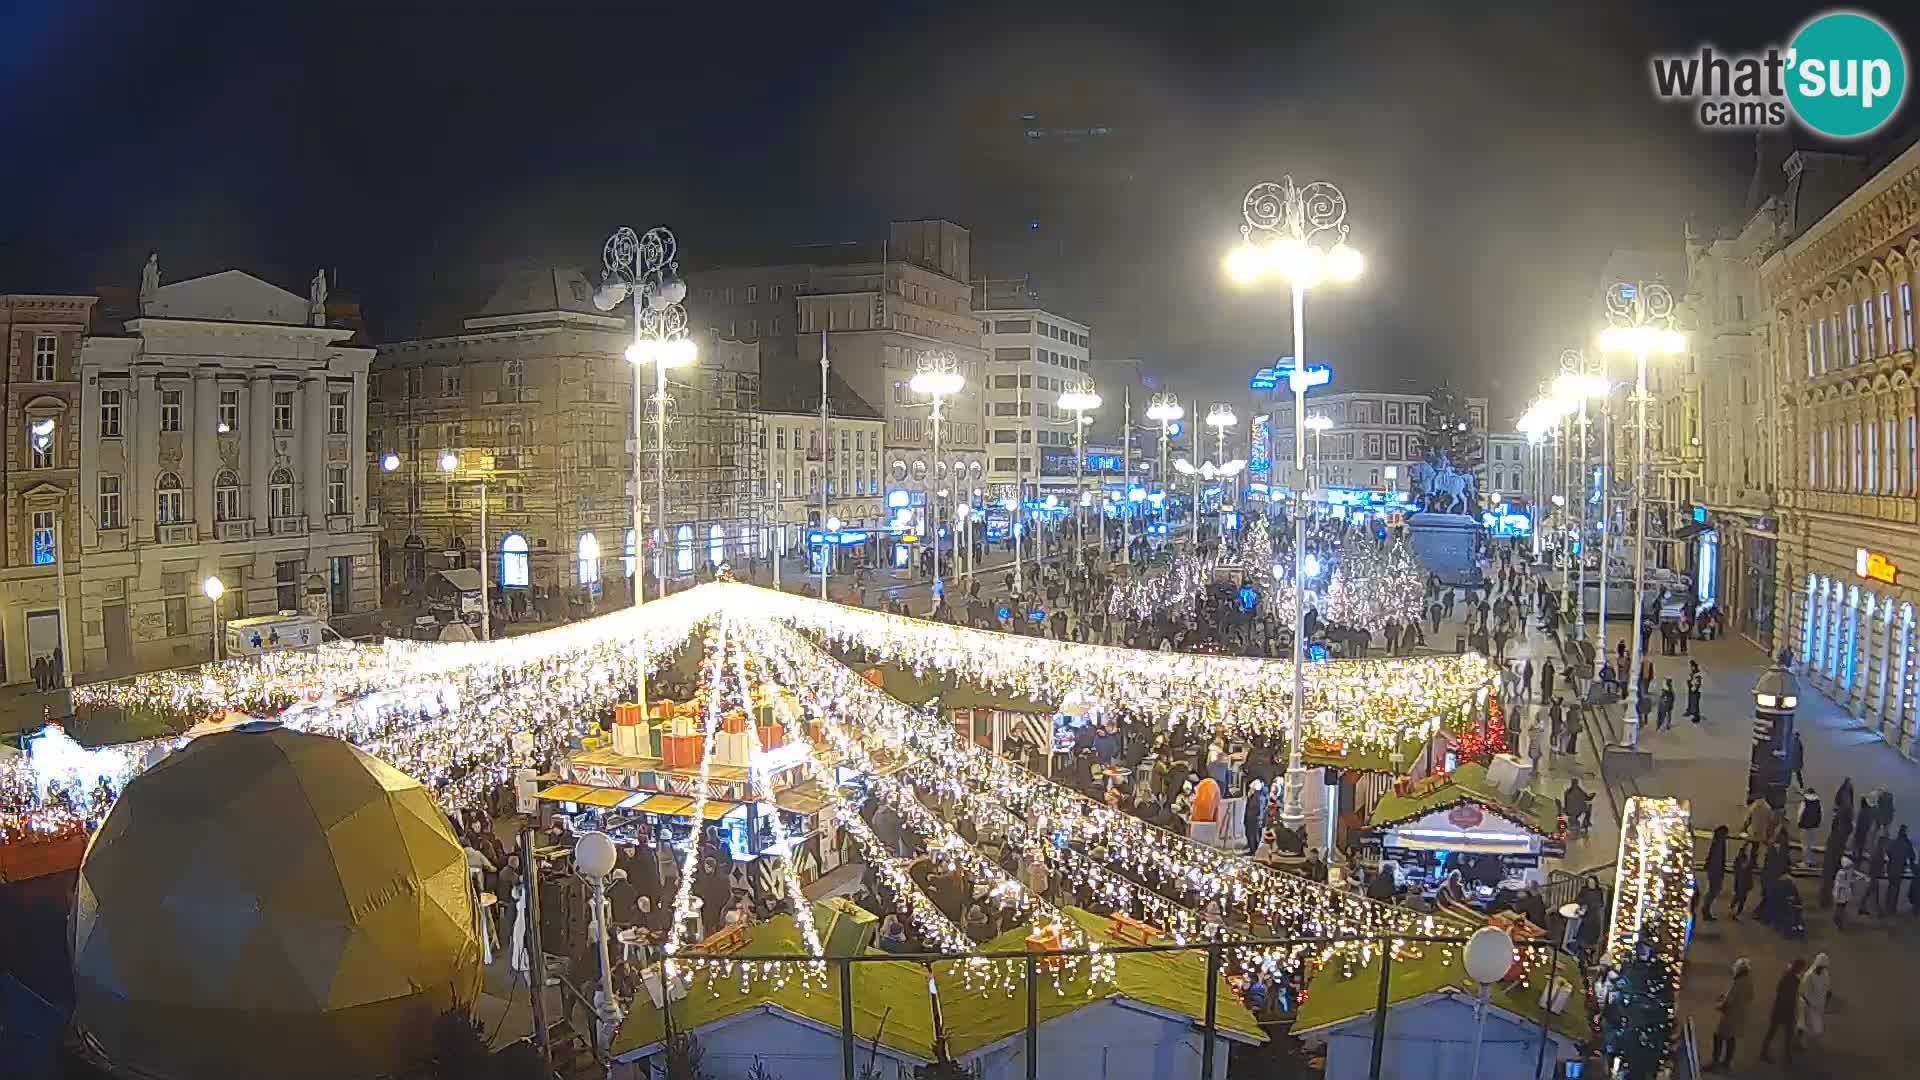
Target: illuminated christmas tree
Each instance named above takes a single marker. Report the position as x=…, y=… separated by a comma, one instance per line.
x=1636, y=1019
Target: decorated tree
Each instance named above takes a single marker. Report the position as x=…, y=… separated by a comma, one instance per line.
x=1376, y=582
x=1636, y=1017
x=1256, y=548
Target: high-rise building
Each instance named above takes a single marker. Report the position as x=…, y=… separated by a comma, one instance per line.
x=40, y=492
x=1033, y=354
x=876, y=313
x=224, y=433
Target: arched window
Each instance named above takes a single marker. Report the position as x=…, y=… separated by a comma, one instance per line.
x=629, y=558
x=226, y=496
x=513, y=561
x=169, y=502
x=280, y=494
x=716, y=545
x=589, y=553
x=684, y=542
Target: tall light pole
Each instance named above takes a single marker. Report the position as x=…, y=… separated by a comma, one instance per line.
x=826, y=471
x=1291, y=223
x=1606, y=493
x=1080, y=400
x=1640, y=315
x=938, y=377
x=1572, y=390
x=213, y=588
x=1126, y=475
x=1165, y=408
x=643, y=269
x=1220, y=418
x=1319, y=424
x=449, y=463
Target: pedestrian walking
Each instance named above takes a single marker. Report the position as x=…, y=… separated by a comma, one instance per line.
x=1716, y=870
x=1863, y=820
x=1693, y=692
x=1807, y=822
x=1666, y=706
x=1556, y=719
x=1797, y=760
x=1845, y=884
x=1536, y=739
x=1785, y=1011
x=1836, y=850
x=1876, y=876
x=1546, y=680
x=1742, y=878
x=1816, y=987
x=1899, y=857
x=1643, y=705
x=1735, y=1002
x=1526, y=681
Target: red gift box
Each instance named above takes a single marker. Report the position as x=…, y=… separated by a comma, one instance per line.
x=817, y=732
x=682, y=751
x=771, y=736
x=734, y=724
x=627, y=713
x=660, y=709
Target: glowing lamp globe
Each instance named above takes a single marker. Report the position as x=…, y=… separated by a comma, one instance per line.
x=1489, y=955
x=593, y=855
x=263, y=902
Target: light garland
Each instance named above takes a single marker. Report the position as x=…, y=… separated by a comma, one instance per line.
x=690, y=862
x=1653, y=882
x=1293, y=906
x=1184, y=581
x=1375, y=583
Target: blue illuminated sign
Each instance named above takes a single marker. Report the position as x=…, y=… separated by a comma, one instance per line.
x=1174, y=429
x=1037, y=615
x=1304, y=378
x=1249, y=598
x=1700, y=514
x=896, y=499
x=1002, y=611
x=1316, y=652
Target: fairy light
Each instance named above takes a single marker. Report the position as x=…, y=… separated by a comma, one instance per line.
x=1653, y=886
x=690, y=862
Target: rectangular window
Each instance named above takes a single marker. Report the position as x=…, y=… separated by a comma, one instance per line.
x=109, y=502
x=1913, y=456
x=453, y=382
x=229, y=412
x=779, y=441
x=1826, y=457
x=283, y=410
x=46, y=358
x=280, y=498
x=176, y=616
x=753, y=294
x=336, y=490
x=1812, y=353
x=515, y=498
x=776, y=293
x=337, y=412
x=43, y=445
x=414, y=380
x=1873, y=458
x=109, y=414
x=1854, y=449
x=286, y=580
x=41, y=539
x=1866, y=329
x=1906, y=315
x=169, y=410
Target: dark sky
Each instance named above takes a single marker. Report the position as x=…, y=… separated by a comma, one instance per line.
x=1491, y=154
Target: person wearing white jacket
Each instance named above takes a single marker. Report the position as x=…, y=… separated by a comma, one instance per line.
x=1816, y=986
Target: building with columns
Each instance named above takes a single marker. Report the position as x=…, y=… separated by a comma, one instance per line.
x=1840, y=301
x=40, y=479
x=223, y=434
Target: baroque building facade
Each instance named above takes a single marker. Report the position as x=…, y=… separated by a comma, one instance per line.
x=1841, y=302
x=223, y=434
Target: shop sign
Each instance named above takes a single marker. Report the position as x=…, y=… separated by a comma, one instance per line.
x=1466, y=816
x=1874, y=566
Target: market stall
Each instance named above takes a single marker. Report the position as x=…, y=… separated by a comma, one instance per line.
x=1497, y=837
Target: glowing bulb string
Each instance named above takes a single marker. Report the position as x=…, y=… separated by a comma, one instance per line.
x=690, y=862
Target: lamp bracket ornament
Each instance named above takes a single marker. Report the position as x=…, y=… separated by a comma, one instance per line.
x=1283, y=211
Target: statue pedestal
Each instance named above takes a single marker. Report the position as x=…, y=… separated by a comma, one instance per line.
x=1444, y=544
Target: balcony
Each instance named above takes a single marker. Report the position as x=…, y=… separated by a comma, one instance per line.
x=288, y=526
x=174, y=533
x=339, y=523
x=233, y=530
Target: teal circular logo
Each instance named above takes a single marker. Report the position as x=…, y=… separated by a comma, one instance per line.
x=1846, y=74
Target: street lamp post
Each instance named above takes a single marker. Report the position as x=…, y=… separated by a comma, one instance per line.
x=1080, y=401
x=1641, y=318
x=213, y=588
x=1165, y=408
x=594, y=857
x=1126, y=476
x=938, y=377
x=1220, y=418
x=449, y=462
x=1572, y=389
x=1319, y=424
x=1291, y=223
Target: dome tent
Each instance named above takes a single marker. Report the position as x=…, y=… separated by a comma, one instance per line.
x=264, y=902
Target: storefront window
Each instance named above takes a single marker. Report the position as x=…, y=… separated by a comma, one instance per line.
x=513, y=561
x=589, y=558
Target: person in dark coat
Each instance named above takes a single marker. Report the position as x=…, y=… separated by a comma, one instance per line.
x=1786, y=1000
x=1255, y=811
x=1843, y=805
x=1546, y=680
x=1830, y=859
x=1742, y=878
x=1666, y=706
x=1899, y=856
x=1877, y=878
x=1862, y=829
x=1716, y=870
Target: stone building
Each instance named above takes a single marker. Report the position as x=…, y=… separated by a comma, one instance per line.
x=40, y=479
x=1374, y=438
x=534, y=398
x=223, y=434
x=1032, y=355
x=850, y=465
x=1840, y=299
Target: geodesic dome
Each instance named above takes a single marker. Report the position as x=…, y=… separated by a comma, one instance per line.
x=267, y=903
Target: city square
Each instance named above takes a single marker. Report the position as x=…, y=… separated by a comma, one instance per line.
x=1150, y=568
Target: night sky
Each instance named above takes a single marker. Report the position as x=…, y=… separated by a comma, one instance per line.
x=1491, y=154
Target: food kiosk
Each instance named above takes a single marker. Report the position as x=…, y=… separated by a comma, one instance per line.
x=1460, y=820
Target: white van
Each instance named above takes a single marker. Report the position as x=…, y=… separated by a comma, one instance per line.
x=276, y=633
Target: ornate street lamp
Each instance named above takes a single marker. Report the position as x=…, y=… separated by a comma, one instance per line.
x=938, y=377
x=1080, y=400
